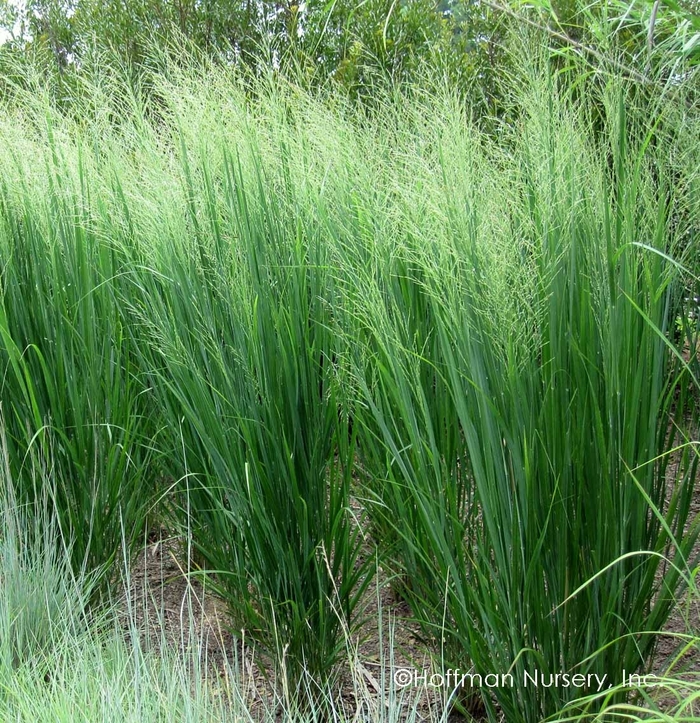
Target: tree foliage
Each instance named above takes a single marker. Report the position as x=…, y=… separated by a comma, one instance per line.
x=338, y=40
x=356, y=43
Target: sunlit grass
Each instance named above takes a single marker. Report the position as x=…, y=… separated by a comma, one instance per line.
x=262, y=315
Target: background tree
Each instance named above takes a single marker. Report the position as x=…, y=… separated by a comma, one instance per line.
x=355, y=44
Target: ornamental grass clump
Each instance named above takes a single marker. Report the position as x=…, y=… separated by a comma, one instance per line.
x=243, y=351
x=549, y=532
x=69, y=386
